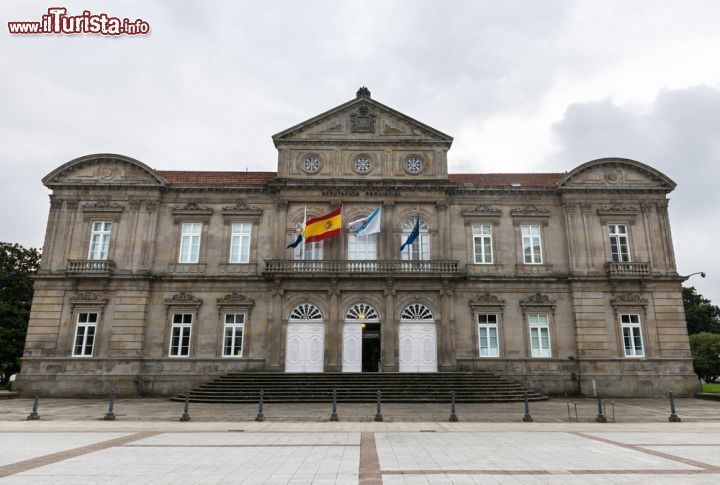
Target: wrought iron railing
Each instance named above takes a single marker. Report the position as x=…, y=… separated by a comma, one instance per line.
x=361, y=266
x=90, y=266
x=627, y=268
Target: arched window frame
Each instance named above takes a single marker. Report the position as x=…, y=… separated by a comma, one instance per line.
x=420, y=249
x=362, y=248
x=305, y=312
x=307, y=251
x=417, y=312
x=362, y=312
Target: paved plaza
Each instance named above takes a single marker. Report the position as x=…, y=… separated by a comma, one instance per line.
x=298, y=444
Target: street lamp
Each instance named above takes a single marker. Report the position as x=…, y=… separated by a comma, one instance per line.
x=701, y=273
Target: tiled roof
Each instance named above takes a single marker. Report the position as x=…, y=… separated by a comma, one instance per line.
x=507, y=179
x=216, y=178
x=175, y=177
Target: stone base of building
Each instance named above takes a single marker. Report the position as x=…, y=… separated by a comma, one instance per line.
x=71, y=378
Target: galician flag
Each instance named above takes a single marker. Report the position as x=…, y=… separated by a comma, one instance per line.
x=367, y=225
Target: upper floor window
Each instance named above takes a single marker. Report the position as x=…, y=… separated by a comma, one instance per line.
x=420, y=248
x=233, y=341
x=619, y=246
x=488, y=335
x=240, y=243
x=180, y=334
x=362, y=246
x=482, y=244
x=190, y=242
x=85, y=334
x=539, y=334
x=632, y=337
x=532, y=245
x=308, y=251
x=99, y=240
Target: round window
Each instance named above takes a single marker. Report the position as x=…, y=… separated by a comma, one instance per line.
x=363, y=165
x=414, y=165
x=311, y=164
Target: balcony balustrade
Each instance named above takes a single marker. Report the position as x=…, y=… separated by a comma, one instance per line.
x=427, y=267
x=613, y=268
x=90, y=266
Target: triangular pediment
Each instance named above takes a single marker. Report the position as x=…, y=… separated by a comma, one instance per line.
x=616, y=174
x=104, y=169
x=362, y=119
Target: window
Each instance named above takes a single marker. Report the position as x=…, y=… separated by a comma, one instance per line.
x=99, y=240
x=539, y=334
x=362, y=247
x=488, y=335
x=180, y=337
x=85, y=334
x=308, y=251
x=233, y=341
x=240, y=243
x=482, y=243
x=619, y=246
x=420, y=249
x=532, y=247
x=632, y=337
x=190, y=243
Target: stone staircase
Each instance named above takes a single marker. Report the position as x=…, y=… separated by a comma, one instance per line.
x=360, y=387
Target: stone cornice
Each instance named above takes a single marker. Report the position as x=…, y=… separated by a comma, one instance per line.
x=183, y=299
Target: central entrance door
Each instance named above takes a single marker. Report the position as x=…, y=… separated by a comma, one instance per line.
x=305, y=349
x=361, y=339
x=418, y=339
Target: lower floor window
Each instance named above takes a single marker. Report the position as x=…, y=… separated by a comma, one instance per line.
x=233, y=341
x=632, y=337
x=539, y=334
x=488, y=336
x=85, y=334
x=180, y=338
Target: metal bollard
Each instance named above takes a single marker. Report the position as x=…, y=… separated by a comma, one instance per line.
x=34, y=414
x=527, y=418
x=453, y=416
x=674, y=418
x=334, y=415
x=612, y=404
x=568, y=409
x=110, y=415
x=260, y=415
x=378, y=412
x=600, y=418
x=186, y=411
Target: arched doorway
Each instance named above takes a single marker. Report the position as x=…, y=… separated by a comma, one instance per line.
x=361, y=339
x=305, y=349
x=418, y=339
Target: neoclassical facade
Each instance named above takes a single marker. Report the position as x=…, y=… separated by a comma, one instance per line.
x=154, y=280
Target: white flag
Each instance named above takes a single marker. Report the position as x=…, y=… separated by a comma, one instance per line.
x=367, y=225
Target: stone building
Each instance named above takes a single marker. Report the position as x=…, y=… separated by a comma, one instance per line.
x=152, y=280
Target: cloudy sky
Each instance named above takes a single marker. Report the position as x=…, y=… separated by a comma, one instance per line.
x=521, y=85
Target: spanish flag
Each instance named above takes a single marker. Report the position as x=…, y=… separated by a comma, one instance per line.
x=323, y=227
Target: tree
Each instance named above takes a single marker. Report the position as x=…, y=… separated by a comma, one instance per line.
x=17, y=265
x=700, y=313
x=705, y=348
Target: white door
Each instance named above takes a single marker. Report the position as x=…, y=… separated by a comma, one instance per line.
x=418, y=347
x=352, y=347
x=305, y=347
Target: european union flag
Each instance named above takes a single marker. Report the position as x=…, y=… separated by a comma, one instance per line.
x=297, y=241
x=413, y=235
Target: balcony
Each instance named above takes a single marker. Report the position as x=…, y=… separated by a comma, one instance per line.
x=90, y=266
x=627, y=269
x=308, y=268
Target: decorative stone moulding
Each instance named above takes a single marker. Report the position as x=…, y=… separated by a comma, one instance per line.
x=235, y=299
x=241, y=208
x=629, y=300
x=87, y=298
x=482, y=210
x=530, y=211
x=102, y=206
x=183, y=299
x=486, y=300
x=192, y=209
x=538, y=300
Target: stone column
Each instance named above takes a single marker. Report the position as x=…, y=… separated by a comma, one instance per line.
x=332, y=330
x=389, y=330
x=388, y=231
x=447, y=351
x=148, y=257
x=273, y=338
x=281, y=206
x=50, y=237
x=443, y=241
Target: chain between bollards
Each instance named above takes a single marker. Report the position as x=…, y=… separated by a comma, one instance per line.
x=334, y=415
x=110, y=415
x=527, y=418
x=674, y=418
x=186, y=411
x=453, y=416
x=601, y=418
x=260, y=415
x=378, y=412
x=34, y=414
